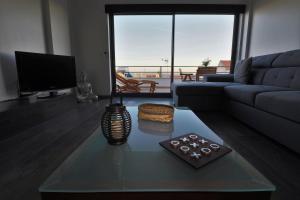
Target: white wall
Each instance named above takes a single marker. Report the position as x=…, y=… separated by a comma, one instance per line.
x=59, y=21
x=276, y=26
x=89, y=39
x=88, y=30
x=21, y=28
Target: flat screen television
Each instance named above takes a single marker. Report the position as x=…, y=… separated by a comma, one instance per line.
x=44, y=72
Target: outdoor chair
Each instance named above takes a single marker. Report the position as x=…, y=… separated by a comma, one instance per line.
x=127, y=85
x=184, y=75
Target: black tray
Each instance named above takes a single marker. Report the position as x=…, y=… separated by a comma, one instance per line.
x=197, y=163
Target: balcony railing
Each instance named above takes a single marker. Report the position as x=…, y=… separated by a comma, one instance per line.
x=162, y=74
x=156, y=72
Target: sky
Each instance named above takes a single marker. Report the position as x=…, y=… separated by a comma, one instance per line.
x=145, y=40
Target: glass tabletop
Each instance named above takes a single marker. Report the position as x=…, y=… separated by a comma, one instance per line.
x=142, y=164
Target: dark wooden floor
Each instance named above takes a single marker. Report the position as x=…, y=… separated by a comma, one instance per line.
x=280, y=165
x=36, y=138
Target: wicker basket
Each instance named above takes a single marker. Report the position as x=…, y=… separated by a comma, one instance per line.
x=156, y=112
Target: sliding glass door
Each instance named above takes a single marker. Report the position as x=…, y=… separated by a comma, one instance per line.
x=152, y=51
x=143, y=53
x=202, y=40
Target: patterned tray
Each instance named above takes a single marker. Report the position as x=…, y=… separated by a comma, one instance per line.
x=194, y=149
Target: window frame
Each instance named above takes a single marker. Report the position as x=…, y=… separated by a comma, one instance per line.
x=169, y=9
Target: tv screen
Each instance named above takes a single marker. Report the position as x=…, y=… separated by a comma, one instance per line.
x=45, y=72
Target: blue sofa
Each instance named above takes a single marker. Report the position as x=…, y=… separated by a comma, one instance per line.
x=269, y=102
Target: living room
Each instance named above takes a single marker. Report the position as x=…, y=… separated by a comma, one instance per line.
x=246, y=110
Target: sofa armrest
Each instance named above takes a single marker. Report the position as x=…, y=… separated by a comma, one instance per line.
x=218, y=78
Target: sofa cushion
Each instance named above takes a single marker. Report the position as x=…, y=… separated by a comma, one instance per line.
x=295, y=80
x=257, y=75
x=246, y=93
x=282, y=77
x=264, y=61
x=288, y=59
x=218, y=78
x=242, y=71
x=284, y=103
x=201, y=88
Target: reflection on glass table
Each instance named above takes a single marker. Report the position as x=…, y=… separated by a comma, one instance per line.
x=155, y=128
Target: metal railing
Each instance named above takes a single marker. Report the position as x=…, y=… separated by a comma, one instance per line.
x=161, y=72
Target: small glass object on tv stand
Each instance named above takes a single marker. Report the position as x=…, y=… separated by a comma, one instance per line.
x=84, y=91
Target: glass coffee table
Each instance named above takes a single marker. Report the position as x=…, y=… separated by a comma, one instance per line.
x=142, y=169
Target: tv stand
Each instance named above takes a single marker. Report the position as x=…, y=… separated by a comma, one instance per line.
x=48, y=95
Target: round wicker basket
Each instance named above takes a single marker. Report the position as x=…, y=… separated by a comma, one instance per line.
x=156, y=112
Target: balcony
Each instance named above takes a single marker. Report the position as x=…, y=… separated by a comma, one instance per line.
x=161, y=75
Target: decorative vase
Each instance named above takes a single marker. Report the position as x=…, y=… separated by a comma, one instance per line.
x=84, y=90
x=116, y=123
